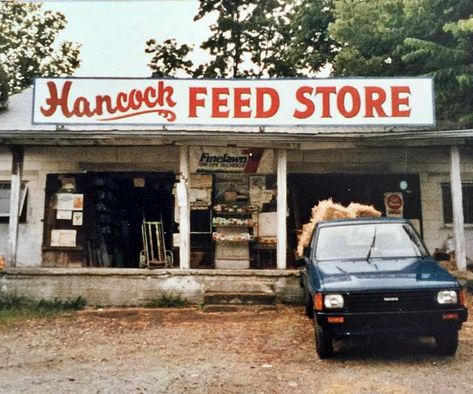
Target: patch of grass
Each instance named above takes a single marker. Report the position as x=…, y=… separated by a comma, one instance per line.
x=63, y=305
x=12, y=301
x=169, y=301
x=13, y=307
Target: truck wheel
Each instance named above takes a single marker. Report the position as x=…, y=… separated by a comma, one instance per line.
x=447, y=343
x=323, y=342
x=309, y=304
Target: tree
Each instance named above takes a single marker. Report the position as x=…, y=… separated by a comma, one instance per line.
x=249, y=39
x=372, y=33
x=369, y=33
x=27, y=38
x=311, y=46
x=409, y=37
x=451, y=64
x=168, y=58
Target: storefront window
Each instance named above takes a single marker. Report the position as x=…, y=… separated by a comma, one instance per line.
x=5, y=188
x=467, y=192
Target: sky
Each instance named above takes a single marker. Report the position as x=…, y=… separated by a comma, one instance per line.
x=113, y=33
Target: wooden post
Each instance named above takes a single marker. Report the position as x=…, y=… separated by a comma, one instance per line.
x=282, y=209
x=15, y=194
x=184, y=210
x=457, y=208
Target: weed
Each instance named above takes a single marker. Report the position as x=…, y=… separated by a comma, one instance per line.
x=169, y=301
x=12, y=301
x=63, y=305
x=13, y=307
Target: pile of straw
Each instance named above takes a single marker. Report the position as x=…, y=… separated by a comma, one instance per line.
x=329, y=210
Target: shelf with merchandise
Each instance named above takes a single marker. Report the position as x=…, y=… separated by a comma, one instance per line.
x=232, y=237
x=223, y=209
x=232, y=222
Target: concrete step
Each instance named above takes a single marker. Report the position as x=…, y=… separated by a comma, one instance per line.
x=249, y=285
x=238, y=308
x=240, y=298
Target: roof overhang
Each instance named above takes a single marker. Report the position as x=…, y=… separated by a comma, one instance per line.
x=16, y=129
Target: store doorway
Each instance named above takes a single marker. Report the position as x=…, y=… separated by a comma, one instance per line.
x=105, y=228
x=306, y=190
x=122, y=201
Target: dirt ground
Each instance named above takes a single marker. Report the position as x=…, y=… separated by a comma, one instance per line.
x=189, y=351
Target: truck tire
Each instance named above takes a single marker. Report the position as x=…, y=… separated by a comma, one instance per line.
x=323, y=342
x=447, y=343
x=309, y=304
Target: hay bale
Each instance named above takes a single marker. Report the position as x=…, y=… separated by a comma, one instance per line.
x=328, y=210
x=364, y=211
x=449, y=265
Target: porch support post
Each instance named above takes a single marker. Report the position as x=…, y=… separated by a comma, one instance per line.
x=457, y=208
x=184, y=210
x=282, y=209
x=15, y=191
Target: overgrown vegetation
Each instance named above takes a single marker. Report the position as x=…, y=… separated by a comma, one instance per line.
x=13, y=307
x=169, y=301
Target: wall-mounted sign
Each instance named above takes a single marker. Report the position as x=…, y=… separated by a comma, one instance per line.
x=245, y=160
x=63, y=215
x=394, y=204
x=69, y=202
x=77, y=219
x=305, y=102
x=65, y=238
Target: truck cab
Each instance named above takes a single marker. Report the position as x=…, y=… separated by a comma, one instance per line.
x=375, y=277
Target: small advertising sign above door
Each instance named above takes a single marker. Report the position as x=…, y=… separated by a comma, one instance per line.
x=242, y=160
x=200, y=102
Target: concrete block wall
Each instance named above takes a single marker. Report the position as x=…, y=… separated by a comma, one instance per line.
x=133, y=287
x=40, y=161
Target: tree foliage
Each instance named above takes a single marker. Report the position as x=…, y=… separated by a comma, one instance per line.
x=451, y=64
x=168, y=58
x=27, y=45
x=410, y=37
x=372, y=34
x=311, y=47
x=249, y=39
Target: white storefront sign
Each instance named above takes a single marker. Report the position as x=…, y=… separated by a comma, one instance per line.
x=201, y=102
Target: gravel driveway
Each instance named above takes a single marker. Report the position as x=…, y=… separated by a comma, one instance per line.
x=186, y=350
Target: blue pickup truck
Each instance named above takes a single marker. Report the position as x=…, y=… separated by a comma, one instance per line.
x=376, y=277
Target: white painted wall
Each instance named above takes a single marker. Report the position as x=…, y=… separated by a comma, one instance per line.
x=432, y=164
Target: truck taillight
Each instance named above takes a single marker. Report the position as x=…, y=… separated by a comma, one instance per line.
x=318, y=301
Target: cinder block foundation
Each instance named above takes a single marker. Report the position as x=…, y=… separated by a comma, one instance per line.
x=134, y=287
